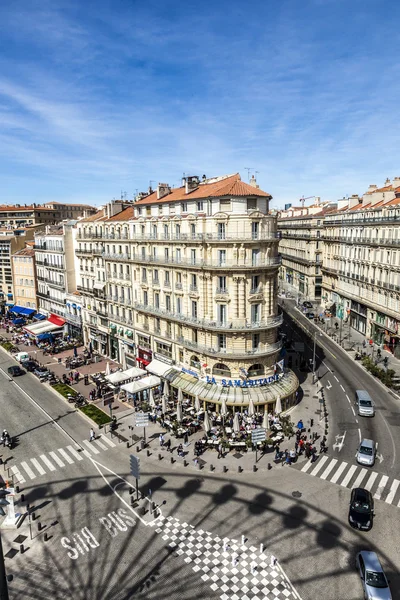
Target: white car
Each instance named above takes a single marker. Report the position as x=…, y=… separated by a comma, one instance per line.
x=366, y=453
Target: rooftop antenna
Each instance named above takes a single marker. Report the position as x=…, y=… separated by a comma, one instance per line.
x=257, y=173
x=150, y=182
x=248, y=169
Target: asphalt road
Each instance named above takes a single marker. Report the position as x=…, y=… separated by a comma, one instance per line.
x=95, y=551
x=341, y=377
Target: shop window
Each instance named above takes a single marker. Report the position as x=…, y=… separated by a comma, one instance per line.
x=221, y=369
x=195, y=362
x=256, y=370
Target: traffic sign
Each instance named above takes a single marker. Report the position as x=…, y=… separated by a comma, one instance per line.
x=258, y=435
x=142, y=419
x=108, y=398
x=135, y=466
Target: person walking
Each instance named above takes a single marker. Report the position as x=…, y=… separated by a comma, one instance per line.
x=168, y=445
x=92, y=435
x=220, y=450
x=161, y=438
x=186, y=439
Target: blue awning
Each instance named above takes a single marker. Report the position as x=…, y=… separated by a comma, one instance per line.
x=18, y=321
x=44, y=336
x=39, y=317
x=17, y=309
x=27, y=311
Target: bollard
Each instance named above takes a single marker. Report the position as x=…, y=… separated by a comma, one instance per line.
x=269, y=467
x=261, y=548
x=17, y=489
x=234, y=560
x=225, y=544
x=137, y=448
x=185, y=463
x=33, y=516
x=224, y=469
x=22, y=497
x=127, y=444
x=159, y=456
x=211, y=467
x=172, y=460
x=243, y=540
x=254, y=468
x=45, y=538
x=253, y=568
x=153, y=507
x=240, y=469
x=21, y=548
x=148, y=452
x=273, y=561
x=39, y=526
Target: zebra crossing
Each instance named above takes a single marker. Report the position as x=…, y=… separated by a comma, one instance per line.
x=352, y=476
x=57, y=459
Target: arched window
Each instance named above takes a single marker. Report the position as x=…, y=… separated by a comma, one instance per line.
x=195, y=362
x=221, y=369
x=256, y=370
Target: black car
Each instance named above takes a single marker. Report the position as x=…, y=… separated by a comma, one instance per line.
x=310, y=315
x=15, y=371
x=361, y=512
x=29, y=365
x=307, y=304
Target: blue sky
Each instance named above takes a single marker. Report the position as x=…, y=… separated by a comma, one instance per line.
x=102, y=97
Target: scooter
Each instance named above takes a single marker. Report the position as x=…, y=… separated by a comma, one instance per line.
x=81, y=401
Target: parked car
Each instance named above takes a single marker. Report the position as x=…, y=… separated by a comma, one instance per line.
x=361, y=511
x=15, y=371
x=29, y=365
x=373, y=578
x=310, y=315
x=21, y=356
x=366, y=453
x=307, y=304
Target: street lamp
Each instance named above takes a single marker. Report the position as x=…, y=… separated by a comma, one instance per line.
x=3, y=577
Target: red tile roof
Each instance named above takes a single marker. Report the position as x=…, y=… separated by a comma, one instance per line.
x=124, y=215
x=387, y=188
x=229, y=186
x=99, y=216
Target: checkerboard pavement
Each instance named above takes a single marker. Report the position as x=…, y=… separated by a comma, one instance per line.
x=251, y=577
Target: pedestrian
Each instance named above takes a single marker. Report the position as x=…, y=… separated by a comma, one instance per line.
x=92, y=435
x=186, y=439
x=168, y=445
x=76, y=376
x=180, y=450
x=161, y=438
x=220, y=450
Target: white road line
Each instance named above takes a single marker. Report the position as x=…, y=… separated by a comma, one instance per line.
x=381, y=487
x=354, y=412
x=66, y=456
x=28, y=470
x=371, y=481
x=338, y=473
x=359, y=434
x=18, y=475
x=360, y=477
x=328, y=469
x=348, y=399
x=319, y=465
x=349, y=475
x=336, y=378
x=57, y=459
x=47, y=462
x=357, y=421
x=100, y=444
x=307, y=466
x=74, y=453
x=38, y=466
x=342, y=387
x=109, y=442
x=393, y=489
x=91, y=447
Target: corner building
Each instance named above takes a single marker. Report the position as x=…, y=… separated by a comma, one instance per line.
x=193, y=273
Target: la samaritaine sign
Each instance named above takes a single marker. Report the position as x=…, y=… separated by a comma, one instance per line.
x=245, y=382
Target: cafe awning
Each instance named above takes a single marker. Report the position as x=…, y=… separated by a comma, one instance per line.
x=56, y=320
x=141, y=384
x=157, y=367
x=120, y=376
x=39, y=317
x=41, y=327
x=99, y=285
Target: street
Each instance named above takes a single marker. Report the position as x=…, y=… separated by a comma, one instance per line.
x=100, y=546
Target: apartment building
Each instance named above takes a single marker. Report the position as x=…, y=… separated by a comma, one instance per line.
x=9, y=245
x=361, y=263
x=19, y=216
x=188, y=277
x=55, y=269
x=24, y=278
x=301, y=245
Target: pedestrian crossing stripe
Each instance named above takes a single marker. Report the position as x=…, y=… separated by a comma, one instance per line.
x=52, y=461
x=352, y=476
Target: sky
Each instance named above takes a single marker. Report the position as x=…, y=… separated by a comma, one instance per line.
x=99, y=99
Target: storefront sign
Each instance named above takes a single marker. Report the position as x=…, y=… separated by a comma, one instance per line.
x=193, y=373
x=163, y=358
x=245, y=383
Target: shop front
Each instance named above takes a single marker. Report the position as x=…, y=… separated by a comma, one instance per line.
x=144, y=356
x=289, y=276
x=358, y=317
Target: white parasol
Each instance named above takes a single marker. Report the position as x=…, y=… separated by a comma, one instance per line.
x=180, y=395
x=251, y=409
x=206, y=424
x=197, y=404
x=151, y=399
x=236, y=425
x=265, y=423
x=179, y=412
x=278, y=406
x=108, y=369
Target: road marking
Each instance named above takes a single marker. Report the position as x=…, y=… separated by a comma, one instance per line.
x=360, y=477
x=319, y=465
x=18, y=474
x=336, y=378
x=371, y=481
x=328, y=469
x=91, y=447
x=359, y=434
x=339, y=472
x=393, y=489
x=39, y=467
x=342, y=387
x=66, y=456
x=100, y=444
x=328, y=383
x=74, y=453
x=109, y=442
x=357, y=421
x=307, y=466
x=348, y=399
x=47, y=462
x=381, y=487
x=354, y=412
x=349, y=475
x=29, y=471
x=57, y=459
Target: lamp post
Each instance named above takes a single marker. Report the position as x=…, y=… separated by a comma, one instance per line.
x=3, y=577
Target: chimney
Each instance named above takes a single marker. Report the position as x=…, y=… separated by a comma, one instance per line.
x=317, y=200
x=354, y=200
x=163, y=189
x=387, y=182
x=253, y=182
x=372, y=188
x=204, y=178
x=396, y=182
x=191, y=183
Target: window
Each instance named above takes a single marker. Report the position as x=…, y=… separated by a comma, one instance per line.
x=167, y=280
x=181, y=357
x=166, y=254
x=221, y=258
x=195, y=362
x=178, y=277
x=155, y=276
x=164, y=349
x=144, y=275
x=194, y=309
x=200, y=205
x=178, y=255
x=193, y=285
x=221, y=285
x=193, y=230
x=255, y=313
x=222, y=313
x=255, y=256
x=225, y=205
x=255, y=282
x=251, y=203
x=179, y=305
x=221, y=341
x=194, y=336
x=169, y=330
x=221, y=369
x=139, y=210
x=143, y=253
x=166, y=236
x=221, y=231
x=178, y=232
x=255, y=228
x=157, y=300
x=184, y=207
x=154, y=234
x=255, y=341
x=193, y=257
x=256, y=370
x=168, y=303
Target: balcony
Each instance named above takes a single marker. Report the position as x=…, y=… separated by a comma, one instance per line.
x=50, y=265
x=74, y=319
x=116, y=256
x=206, y=237
x=88, y=251
x=178, y=285
x=84, y=289
x=234, y=353
x=221, y=290
x=210, y=264
x=236, y=325
x=194, y=289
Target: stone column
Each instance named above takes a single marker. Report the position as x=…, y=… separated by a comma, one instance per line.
x=210, y=298
x=242, y=298
x=235, y=297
